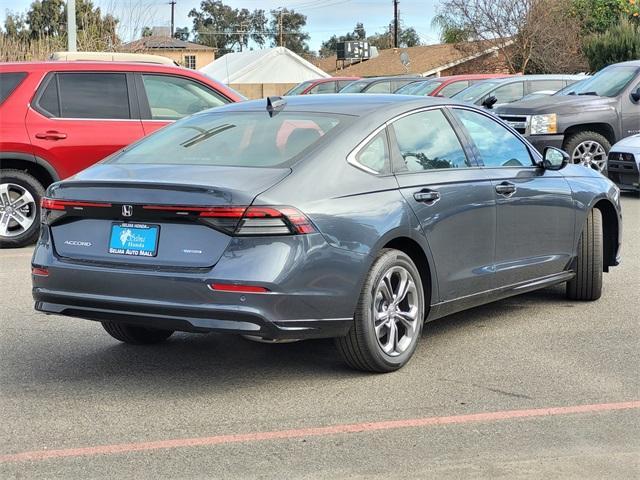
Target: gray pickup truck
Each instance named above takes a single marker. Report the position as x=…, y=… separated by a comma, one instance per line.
x=586, y=120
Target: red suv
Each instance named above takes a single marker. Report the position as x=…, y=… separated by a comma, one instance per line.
x=57, y=118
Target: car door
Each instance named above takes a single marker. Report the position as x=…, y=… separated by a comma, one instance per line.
x=452, y=199
x=79, y=118
x=630, y=110
x=535, y=211
x=167, y=98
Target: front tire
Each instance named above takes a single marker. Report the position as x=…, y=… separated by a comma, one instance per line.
x=135, y=335
x=587, y=284
x=389, y=317
x=589, y=149
x=20, y=195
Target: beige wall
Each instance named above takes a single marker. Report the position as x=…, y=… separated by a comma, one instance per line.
x=261, y=90
x=203, y=57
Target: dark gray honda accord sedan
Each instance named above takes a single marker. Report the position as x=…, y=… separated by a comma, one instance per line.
x=356, y=217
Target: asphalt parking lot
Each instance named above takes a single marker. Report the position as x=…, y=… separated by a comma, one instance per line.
x=531, y=387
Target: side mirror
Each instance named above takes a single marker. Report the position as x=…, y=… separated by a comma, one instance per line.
x=554, y=158
x=635, y=96
x=489, y=102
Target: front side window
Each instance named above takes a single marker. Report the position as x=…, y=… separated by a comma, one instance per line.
x=427, y=141
x=171, y=98
x=99, y=95
x=510, y=92
x=496, y=145
x=231, y=138
x=375, y=154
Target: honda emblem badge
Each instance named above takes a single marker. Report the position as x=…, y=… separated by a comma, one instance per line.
x=127, y=210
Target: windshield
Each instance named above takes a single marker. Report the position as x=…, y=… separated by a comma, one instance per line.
x=298, y=89
x=243, y=139
x=609, y=82
x=419, y=88
x=355, y=87
x=475, y=92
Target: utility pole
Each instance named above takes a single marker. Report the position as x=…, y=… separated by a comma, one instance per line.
x=71, y=25
x=173, y=11
x=395, y=23
x=280, y=25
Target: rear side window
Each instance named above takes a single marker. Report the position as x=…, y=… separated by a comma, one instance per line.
x=375, y=154
x=9, y=82
x=86, y=95
x=171, y=98
x=242, y=139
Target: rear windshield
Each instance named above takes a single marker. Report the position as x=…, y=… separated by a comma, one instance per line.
x=9, y=82
x=475, y=91
x=242, y=139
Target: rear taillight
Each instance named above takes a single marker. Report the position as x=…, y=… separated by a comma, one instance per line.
x=61, y=205
x=245, y=221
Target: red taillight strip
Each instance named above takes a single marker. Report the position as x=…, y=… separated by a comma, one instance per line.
x=227, y=212
x=235, y=288
x=39, y=271
x=53, y=204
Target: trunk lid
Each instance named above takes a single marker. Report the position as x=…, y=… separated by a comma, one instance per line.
x=155, y=210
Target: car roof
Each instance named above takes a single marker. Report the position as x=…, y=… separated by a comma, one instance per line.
x=519, y=78
x=389, y=77
x=357, y=104
x=333, y=79
x=79, y=65
x=631, y=63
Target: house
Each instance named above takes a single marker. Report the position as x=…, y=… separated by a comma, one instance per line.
x=187, y=54
x=427, y=60
x=264, y=72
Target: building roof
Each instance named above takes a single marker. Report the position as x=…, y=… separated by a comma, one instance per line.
x=155, y=42
x=271, y=65
x=424, y=60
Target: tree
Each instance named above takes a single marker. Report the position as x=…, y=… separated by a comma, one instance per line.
x=450, y=32
x=147, y=32
x=225, y=28
x=330, y=46
x=15, y=26
x=619, y=43
x=407, y=37
x=286, y=29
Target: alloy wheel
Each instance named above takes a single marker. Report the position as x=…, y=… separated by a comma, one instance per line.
x=590, y=154
x=17, y=210
x=395, y=311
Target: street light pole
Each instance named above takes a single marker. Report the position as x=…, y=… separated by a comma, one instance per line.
x=71, y=25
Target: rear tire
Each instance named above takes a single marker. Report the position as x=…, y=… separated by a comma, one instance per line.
x=20, y=195
x=135, y=335
x=381, y=339
x=587, y=284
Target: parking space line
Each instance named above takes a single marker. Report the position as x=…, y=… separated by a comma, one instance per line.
x=315, y=431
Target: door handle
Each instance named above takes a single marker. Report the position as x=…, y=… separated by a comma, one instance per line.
x=51, y=135
x=506, y=188
x=427, y=196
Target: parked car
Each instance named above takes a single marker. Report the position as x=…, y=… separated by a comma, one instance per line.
x=61, y=117
x=378, y=84
x=493, y=93
x=321, y=85
x=586, y=119
x=623, y=164
x=354, y=217
x=445, y=86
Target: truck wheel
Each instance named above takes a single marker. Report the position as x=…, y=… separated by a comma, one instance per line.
x=20, y=195
x=587, y=284
x=388, y=320
x=135, y=335
x=588, y=149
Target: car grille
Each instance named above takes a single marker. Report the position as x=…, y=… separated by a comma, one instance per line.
x=622, y=169
x=518, y=122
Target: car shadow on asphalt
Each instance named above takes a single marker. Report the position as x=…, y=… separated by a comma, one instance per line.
x=198, y=361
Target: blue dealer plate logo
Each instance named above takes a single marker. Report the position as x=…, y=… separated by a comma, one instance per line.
x=134, y=239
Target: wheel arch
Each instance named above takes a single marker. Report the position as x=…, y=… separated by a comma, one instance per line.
x=38, y=167
x=603, y=129
x=610, y=231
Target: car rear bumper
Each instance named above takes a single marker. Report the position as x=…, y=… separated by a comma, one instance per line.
x=312, y=290
x=625, y=174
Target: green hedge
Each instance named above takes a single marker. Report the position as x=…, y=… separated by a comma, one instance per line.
x=619, y=43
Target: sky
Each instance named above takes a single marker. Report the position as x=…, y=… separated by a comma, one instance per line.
x=324, y=17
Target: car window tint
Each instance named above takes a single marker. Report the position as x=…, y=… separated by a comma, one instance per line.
x=49, y=101
x=94, y=95
x=9, y=82
x=171, y=98
x=497, y=146
x=453, y=88
x=379, y=87
x=342, y=84
x=539, y=85
x=375, y=155
x=509, y=93
x=427, y=141
x=324, y=87
x=243, y=139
